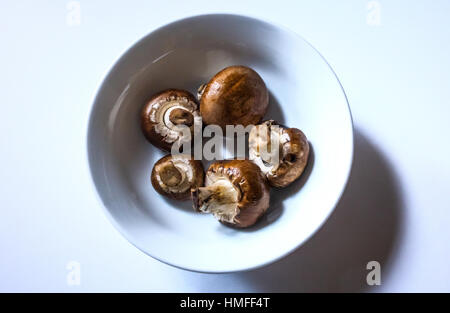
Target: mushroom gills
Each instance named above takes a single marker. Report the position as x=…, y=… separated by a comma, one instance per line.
x=280, y=152
x=220, y=197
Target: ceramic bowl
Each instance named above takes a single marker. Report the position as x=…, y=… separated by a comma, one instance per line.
x=304, y=93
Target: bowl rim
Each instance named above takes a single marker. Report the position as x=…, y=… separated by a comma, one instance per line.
x=101, y=87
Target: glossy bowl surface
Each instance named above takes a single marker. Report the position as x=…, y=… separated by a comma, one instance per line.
x=304, y=93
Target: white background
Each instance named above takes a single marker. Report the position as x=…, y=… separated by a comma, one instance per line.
x=396, y=209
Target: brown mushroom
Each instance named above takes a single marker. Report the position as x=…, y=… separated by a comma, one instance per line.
x=174, y=176
x=236, y=95
x=281, y=164
x=235, y=192
x=163, y=115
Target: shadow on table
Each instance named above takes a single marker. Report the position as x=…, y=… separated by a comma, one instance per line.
x=365, y=226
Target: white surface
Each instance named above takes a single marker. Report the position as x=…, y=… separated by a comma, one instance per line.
x=304, y=93
x=396, y=209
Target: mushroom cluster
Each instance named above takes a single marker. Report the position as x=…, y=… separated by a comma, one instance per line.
x=236, y=192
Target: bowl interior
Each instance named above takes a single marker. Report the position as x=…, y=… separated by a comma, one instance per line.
x=304, y=93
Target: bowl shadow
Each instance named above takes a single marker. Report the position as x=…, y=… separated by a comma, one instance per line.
x=365, y=226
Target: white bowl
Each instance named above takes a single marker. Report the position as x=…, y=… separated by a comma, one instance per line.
x=305, y=93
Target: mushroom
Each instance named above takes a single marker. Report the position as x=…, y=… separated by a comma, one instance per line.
x=235, y=192
x=236, y=95
x=165, y=113
x=283, y=163
x=173, y=176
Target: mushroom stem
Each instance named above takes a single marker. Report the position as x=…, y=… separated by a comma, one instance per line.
x=266, y=149
x=200, y=91
x=170, y=174
x=219, y=198
x=181, y=116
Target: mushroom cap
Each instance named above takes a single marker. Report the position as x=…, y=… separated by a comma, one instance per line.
x=245, y=188
x=292, y=155
x=164, y=111
x=236, y=95
x=174, y=176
